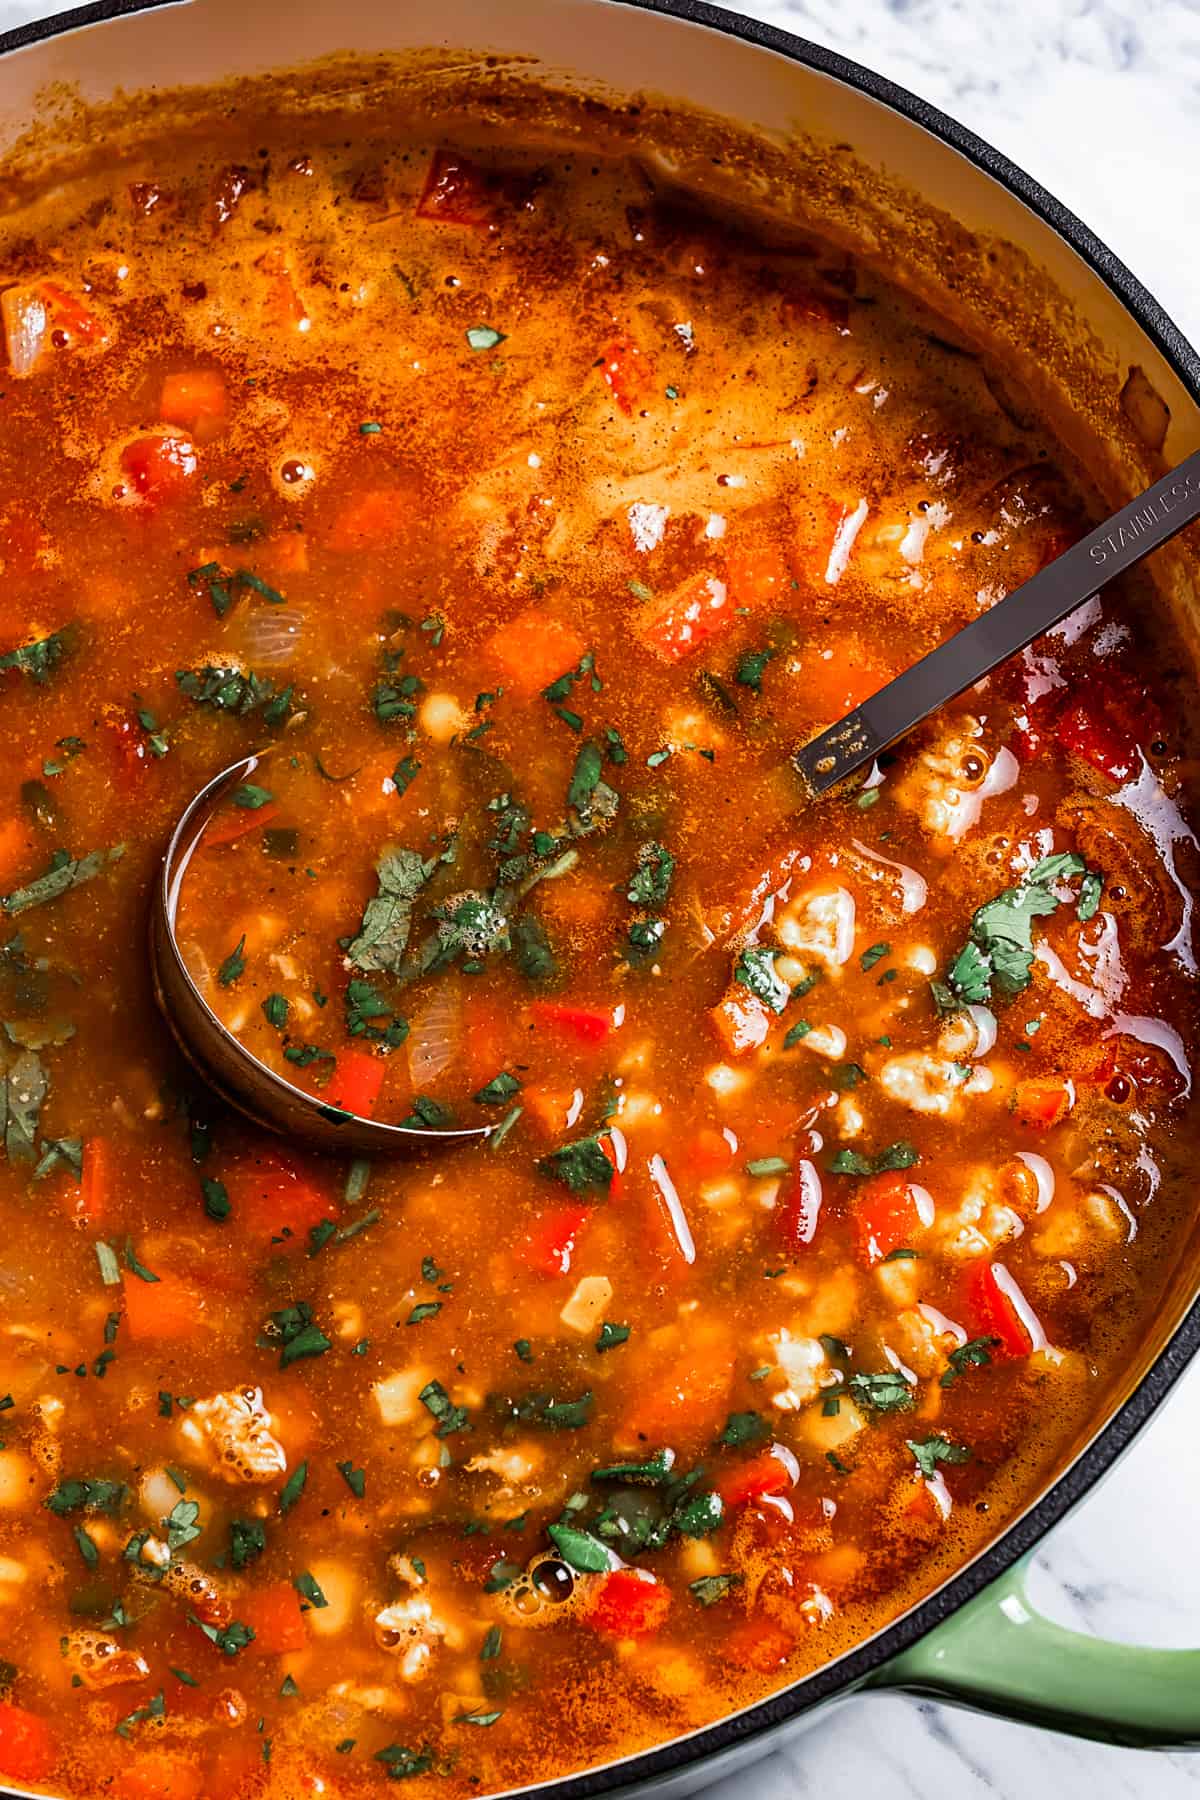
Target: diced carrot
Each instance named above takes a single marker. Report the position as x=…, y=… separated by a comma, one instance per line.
x=758, y=1644
x=887, y=1216
x=92, y=1199
x=629, y=1604
x=14, y=851
x=455, y=192
x=550, y=1107
x=166, y=1308
x=272, y=1195
x=627, y=373
x=274, y=1616
x=1041, y=1104
x=194, y=397
x=587, y=1024
x=234, y=823
x=533, y=650
x=709, y=1152
x=990, y=1312
x=28, y=1751
x=159, y=466
x=837, y=674
x=798, y=1208
x=756, y=577
x=356, y=1082
x=686, y=1392
x=742, y=1021
x=548, y=1246
x=686, y=618
x=376, y=516
x=160, y=1776
x=766, y=1474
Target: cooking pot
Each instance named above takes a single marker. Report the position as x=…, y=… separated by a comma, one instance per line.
x=753, y=112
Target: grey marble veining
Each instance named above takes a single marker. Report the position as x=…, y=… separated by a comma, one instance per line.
x=1101, y=102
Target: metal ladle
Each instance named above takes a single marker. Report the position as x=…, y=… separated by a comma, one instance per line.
x=224, y=1062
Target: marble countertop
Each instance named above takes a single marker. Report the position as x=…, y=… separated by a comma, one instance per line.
x=1096, y=98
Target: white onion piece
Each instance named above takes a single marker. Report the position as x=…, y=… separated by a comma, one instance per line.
x=271, y=635
x=25, y=324
x=196, y=963
x=435, y=1039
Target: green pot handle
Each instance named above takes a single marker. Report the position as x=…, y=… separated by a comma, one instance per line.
x=997, y=1655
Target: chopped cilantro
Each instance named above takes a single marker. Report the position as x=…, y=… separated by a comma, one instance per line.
x=234, y=965
x=611, y=1335
x=931, y=1451
x=579, y=1166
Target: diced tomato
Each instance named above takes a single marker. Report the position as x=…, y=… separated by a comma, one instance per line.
x=271, y=1194
x=166, y=1308
x=159, y=466
x=759, y=1645
x=90, y=1202
x=629, y=1604
x=160, y=1776
x=70, y=313
x=548, y=1246
x=234, y=823
x=588, y=1024
x=274, y=1616
x=1041, y=1104
x=742, y=1021
x=627, y=373
x=766, y=1474
x=808, y=303
x=533, y=650
x=686, y=618
x=990, y=1312
x=28, y=1751
x=837, y=673
x=128, y=738
x=356, y=1082
x=375, y=516
x=455, y=192
x=756, y=577
x=194, y=397
x=888, y=1215
x=1099, y=739
x=798, y=1208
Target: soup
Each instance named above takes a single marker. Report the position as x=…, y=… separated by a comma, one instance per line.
x=530, y=519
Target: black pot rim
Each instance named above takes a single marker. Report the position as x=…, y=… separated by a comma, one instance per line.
x=765, y=1718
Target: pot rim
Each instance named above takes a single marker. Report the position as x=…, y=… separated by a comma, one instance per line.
x=839, y=1678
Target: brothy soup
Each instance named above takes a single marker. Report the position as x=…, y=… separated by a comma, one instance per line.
x=530, y=519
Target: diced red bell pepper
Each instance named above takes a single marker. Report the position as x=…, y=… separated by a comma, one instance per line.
x=742, y=1021
x=798, y=1207
x=887, y=1216
x=128, y=739
x=548, y=1246
x=533, y=650
x=272, y=1195
x=1099, y=739
x=589, y=1024
x=160, y=1775
x=990, y=1313
x=159, y=466
x=686, y=618
x=627, y=373
x=96, y=1183
x=70, y=313
x=455, y=192
x=759, y=1645
x=629, y=1604
x=166, y=1308
x=1041, y=1104
x=356, y=1082
x=28, y=1750
x=765, y=1474
x=274, y=1616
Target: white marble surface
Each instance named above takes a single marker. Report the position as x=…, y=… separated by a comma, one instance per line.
x=1101, y=102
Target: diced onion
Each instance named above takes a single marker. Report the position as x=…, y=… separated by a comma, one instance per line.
x=435, y=1039
x=25, y=324
x=271, y=635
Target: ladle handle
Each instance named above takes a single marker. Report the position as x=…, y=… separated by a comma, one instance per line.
x=1031, y=609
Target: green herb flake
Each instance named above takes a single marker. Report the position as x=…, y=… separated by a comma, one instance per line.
x=484, y=337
